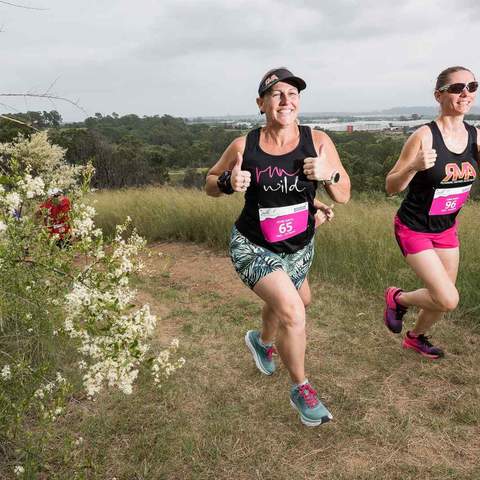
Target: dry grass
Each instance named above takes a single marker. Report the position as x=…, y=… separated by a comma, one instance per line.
x=357, y=249
x=396, y=416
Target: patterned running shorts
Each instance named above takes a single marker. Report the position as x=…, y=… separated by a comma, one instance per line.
x=253, y=262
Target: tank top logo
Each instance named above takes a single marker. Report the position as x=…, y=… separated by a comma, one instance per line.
x=282, y=184
x=454, y=174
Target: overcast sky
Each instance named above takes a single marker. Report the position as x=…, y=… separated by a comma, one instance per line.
x=206, y=57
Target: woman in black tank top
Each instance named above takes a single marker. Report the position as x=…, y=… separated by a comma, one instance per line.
x=438, y=164
x=278, y=167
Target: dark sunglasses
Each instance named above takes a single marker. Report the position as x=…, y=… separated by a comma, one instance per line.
x=459, y=87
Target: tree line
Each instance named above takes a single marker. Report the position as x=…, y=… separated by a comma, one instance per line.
x=133, y=151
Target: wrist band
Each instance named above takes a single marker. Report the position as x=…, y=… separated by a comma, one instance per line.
x=224, y=182
x=334, y=178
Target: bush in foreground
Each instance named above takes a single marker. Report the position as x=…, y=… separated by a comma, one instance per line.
x=65, y=300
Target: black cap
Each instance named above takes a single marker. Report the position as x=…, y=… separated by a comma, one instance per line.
x=276, y=75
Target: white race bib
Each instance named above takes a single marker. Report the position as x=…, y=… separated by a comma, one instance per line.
x=449, y=200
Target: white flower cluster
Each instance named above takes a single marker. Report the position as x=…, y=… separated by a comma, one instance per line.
x=83, y=224
x=163, y=366
x=32, y=186
x=37, y=156
x=11, y=201
x=49, y=397
x=111, y=336
x=115, y=357
x=125, y=251
x=6, y=373
x=18, y=470
x=96, y=302
x=50, y=387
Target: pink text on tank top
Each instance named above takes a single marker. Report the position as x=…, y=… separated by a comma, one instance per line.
x=449, y=200
x=280, y=223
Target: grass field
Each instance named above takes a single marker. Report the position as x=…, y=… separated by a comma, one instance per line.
x=396, y=416
x=357, y=249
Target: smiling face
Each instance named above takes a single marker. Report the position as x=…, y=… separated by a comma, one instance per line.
x=457, y=103
x=280, y=104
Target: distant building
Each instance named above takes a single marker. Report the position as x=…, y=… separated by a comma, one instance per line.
x=350, y=128
x=243, y=125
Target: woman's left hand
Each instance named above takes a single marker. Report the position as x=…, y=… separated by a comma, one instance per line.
x=318, y=168
x=324, y=213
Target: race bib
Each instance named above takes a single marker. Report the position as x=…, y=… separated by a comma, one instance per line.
x=449, y=200
x=283, y=222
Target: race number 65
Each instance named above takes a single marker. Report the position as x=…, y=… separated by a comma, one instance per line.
x=286, y=227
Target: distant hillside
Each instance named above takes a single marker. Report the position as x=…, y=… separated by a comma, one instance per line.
x=423, y=111
x=389, y=112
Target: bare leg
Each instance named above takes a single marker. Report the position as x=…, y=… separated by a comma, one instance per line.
x=269, y=325
x=284, y=303
x=438, y=270
x=270, y=321
x=305, y=293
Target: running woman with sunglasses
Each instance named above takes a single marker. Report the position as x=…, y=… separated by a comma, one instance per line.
x=438, y=164
x=278, y=167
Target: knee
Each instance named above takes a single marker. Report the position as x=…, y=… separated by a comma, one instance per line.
x=447, y=301
x=292, y=315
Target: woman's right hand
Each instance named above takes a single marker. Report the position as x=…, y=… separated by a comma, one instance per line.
x=425, y=158
x=240, y=179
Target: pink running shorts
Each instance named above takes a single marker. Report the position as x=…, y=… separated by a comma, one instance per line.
x=411, y=242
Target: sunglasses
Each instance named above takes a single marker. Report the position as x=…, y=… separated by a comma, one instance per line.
x=459, y=87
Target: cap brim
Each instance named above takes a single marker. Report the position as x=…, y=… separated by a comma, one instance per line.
x=297, y=82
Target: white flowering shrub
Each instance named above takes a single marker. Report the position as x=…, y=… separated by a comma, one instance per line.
x=66, y=304
x=164, y=364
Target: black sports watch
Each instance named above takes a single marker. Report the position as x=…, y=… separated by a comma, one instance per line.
x=224, y=182
x=334, y=178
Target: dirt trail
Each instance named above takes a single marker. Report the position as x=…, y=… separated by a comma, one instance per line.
x=370, y=400
x=396, y=416
x=196, y=268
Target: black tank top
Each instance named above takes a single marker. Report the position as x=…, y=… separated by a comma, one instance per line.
x=278, y=212
x=435, y=196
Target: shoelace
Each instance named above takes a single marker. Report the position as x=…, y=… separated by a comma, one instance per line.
x=270, y=351
x=308, y=394
x=424, y=339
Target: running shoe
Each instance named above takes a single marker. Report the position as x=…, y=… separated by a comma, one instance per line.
x=422, y=345
x=394, y=312
x=304, y=399
x=261, y=354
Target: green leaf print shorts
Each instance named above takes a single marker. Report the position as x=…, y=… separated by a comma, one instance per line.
x=253, y=262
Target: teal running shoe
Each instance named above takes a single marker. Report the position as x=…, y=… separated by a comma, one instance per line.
x=304, y=399
x=262, y=355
